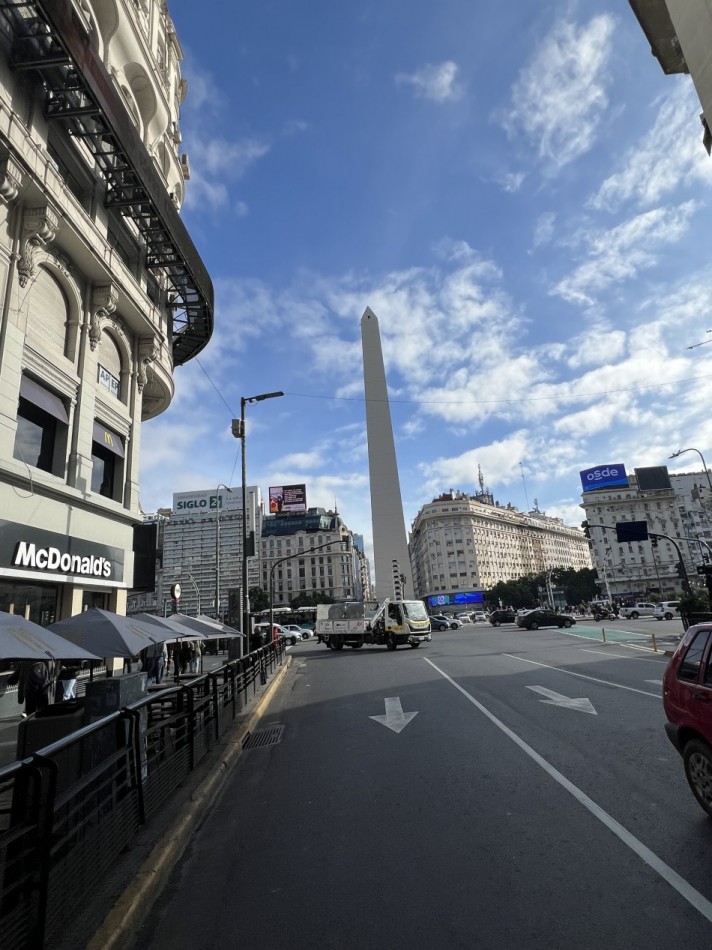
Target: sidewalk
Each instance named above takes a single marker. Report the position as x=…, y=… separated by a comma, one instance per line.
x=120, y=902
x=9, y=726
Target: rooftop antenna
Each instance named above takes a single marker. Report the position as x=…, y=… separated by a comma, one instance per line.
x=526, y=497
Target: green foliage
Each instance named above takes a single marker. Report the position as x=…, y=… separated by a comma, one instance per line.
x=259, y=600
x=578, y=586
x=696, y=602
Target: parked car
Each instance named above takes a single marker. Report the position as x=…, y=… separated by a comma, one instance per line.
x=262, y=632
x=301, y=632
x=687, y=700
x=543, y=617
x=638, y=610
x=667, y=610
x=441, y=622
x=465, y=618
x=479, y=616
x=502, y=616
x=438, y=622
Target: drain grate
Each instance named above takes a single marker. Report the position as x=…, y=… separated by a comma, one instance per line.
x=263, y=738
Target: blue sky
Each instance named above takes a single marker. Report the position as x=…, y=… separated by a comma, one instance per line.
x=517, y=191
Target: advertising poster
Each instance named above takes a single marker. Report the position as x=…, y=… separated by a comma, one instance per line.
x=287, y=498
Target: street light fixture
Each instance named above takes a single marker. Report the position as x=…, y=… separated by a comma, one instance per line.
x=704, y=464
x=238, y=430
x=197, y=591
x=218, y=510
x=290, y=557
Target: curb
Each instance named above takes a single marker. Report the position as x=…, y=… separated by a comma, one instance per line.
x=131, y=909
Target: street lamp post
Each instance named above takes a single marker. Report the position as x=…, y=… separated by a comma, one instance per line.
x=197, y=591
x=239, y=431
x=291, y=557
x=218, y=509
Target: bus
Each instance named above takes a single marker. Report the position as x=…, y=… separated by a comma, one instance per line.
x=302, y=616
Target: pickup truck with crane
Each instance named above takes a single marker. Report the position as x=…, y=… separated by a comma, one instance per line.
x=392, y=623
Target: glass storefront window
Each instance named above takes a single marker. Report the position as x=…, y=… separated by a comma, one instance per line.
x=37, y=602
x=95, y=598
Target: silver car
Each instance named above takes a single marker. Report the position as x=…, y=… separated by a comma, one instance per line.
x=638, y=610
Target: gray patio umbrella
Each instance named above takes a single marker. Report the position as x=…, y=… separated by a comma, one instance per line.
x=209, y=628
x=21, y=639
x=110, y=634
x=178, y=630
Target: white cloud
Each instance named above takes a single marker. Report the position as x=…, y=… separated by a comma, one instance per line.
x=560, y=97
x=668, y=157
x=621, y=253
x=438, y=83
x=544, y=229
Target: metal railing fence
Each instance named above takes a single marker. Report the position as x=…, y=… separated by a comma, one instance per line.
x=70, y=809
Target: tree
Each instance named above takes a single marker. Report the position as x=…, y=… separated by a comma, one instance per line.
x=578, y=587
x=259, y=600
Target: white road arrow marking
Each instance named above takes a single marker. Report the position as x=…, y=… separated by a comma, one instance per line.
x=395, y=718
x=556, y=699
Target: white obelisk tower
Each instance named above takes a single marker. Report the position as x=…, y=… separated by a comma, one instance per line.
x=390, y=546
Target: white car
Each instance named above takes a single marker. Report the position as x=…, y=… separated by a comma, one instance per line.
x=301, y=632
x=479, y=616
x=638, y=610
x=667, y=610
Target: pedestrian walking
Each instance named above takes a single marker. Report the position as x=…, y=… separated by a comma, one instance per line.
x=34, y=682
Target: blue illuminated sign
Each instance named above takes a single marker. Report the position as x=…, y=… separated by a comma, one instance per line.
x=456, y=600
x=603, y=476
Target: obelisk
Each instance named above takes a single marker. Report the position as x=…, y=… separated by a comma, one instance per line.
x=390, y=545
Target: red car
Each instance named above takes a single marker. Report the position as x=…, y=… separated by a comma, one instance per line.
x=687, y=698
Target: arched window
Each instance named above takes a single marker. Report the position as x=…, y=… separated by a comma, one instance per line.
x=110, y=367
x=48, y=312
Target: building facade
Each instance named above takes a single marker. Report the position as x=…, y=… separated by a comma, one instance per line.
x=310, y=553
x=200, y=549
x=680, y=34
x=462, y=544
x=103, y=292
x=678, y=508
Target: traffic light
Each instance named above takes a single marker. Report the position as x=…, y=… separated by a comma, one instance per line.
x=653, y=540
x=680, y=569
x=586, y=529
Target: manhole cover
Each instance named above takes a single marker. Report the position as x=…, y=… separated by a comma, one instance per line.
x=263, y=737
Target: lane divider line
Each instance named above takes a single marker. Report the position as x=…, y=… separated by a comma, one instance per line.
x=675, y=880
x=582, y=676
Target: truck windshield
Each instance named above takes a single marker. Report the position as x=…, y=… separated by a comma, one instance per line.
x=415, y=610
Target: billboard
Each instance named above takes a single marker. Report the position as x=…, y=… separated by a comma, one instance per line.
x=465, y=598
x=655, y=478
x=603, y=476
x=287, y=498
x=204, y=504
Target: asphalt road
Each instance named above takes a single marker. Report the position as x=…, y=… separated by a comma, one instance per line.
x=533, y=802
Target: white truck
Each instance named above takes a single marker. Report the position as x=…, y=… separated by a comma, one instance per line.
x=392, y=623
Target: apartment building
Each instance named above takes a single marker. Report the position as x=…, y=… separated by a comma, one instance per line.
x=462, y=544
x=310, y=552
x=676, y=508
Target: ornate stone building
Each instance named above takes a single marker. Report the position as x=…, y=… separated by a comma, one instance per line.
x=102, y=290
x=461, y=544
